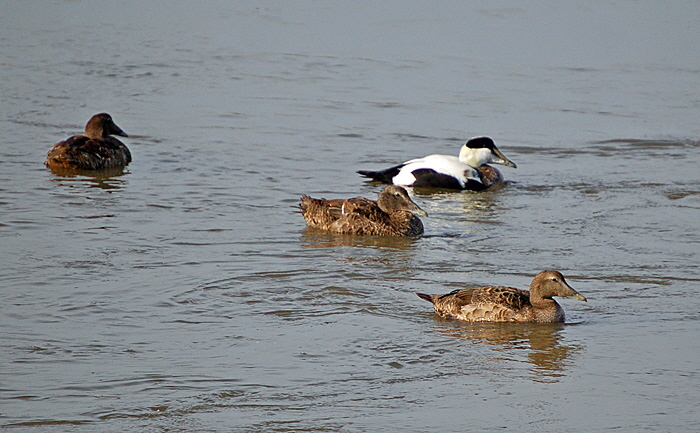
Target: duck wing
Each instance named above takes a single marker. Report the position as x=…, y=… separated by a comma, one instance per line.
x=508, y=297
x=359, y=206
x=429, y=178
x=357, y=215
x=481, y=304
x=433, y=171
x=319, y=212
x=88, y=153
x=363, y=217
x=439, y=171
x=450, y=304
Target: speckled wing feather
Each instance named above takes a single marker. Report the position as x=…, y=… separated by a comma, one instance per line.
x=320, y=213
x=509, y=297
x=363, y=217
x=360, y=206
x=450, y=304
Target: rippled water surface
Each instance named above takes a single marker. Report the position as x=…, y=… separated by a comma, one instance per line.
x=184, y=293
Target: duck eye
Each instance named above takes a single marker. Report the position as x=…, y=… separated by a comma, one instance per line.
x=554, y=279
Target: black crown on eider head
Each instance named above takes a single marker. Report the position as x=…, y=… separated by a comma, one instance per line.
x=481, y=142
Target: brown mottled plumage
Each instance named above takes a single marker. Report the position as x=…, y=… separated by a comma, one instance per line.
x=93, y=151
x=489, y=176
x=390, y=215
x=507, y=304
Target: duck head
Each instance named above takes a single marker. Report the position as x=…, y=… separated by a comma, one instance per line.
x=396, y=197
x=101, y=125
x=482, y=150
x=552, y=283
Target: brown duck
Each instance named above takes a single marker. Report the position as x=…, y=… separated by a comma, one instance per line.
x=507, y=304
x=93, y=151
x=391, y=215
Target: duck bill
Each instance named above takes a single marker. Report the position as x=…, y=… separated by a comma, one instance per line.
x=502, y=159
x=417, y=209
x=573, y=294
x=115, y=130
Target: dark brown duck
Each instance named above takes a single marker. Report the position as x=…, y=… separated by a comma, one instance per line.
x=391, y=215
x=93, y=151
x=507, y=304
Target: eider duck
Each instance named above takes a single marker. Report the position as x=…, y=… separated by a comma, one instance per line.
x=468, y=171
x=391, y=215
x=93, y=151
x=507, y=304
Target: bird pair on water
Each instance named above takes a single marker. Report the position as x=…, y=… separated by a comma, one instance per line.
x=392, y=213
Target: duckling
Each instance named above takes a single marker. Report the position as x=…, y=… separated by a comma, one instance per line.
x=391, y=215
x=468, y=171
x=507, y=304
x=93, y=151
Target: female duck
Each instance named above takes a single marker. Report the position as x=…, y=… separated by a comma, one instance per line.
x=93, y=151
x=507, y=304
x=391, y=215
x=468, y=171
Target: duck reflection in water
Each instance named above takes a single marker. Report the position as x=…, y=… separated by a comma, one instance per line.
x=315, y=238
x=108, y=179
x=546, y=353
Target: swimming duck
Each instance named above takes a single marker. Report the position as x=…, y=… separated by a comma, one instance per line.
x=391, y=215
x=468, y=171
x=93, y=151
x=507, y=304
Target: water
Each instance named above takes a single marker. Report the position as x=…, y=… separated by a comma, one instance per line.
x=185, y=294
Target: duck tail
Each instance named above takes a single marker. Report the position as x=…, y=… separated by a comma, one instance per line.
x=428, y=298
x=384, y=176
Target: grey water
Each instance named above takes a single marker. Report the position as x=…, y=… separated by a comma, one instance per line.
x=186, y=294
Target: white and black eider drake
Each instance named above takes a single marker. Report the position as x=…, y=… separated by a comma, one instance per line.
x=468, y=171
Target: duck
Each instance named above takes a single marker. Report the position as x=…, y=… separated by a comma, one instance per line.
x=95, y=150
x=507, y=304
x=391, y=215
x=468, y=171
